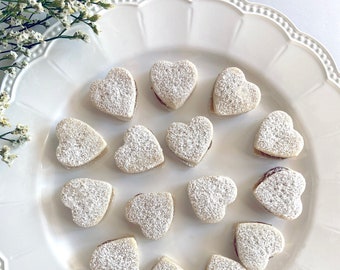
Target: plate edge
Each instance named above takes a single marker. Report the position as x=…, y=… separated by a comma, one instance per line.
x=245, y=7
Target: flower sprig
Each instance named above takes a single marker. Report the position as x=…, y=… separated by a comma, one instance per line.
x=23, y=22
x=14, y=137
x=22, y=27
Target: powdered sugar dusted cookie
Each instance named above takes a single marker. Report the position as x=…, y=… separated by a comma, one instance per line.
x=277, y=136
x=141, y=151
x=173, y=83
x=116, y=94
x=153, y=212
x=233, y=94
x=166, y=263
x=210, y=195
x=119, y=254
x=218, y=262
x=78, y=143
x=280, y=190
x=256, y=243
x=190, y=142
x=88, y=199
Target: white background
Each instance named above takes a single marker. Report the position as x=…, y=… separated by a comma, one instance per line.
x=318, y=18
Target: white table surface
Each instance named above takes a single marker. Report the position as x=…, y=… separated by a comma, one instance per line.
x=317, y=18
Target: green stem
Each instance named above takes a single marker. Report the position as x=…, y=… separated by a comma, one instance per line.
x=8, y=140
x=5, y=134
x=9, y=66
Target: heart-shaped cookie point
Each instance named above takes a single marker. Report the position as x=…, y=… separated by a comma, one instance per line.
x=141, y=151
x=218, y=262
x=88, y=199
x=256, y=243
x=210, y=195
x=233, y=94
x=277, y=137
x=153, y=212
x=190, y=142
x=173, y=83
x=78, y=143
x=116, y=254
x=166, y=263
x=116, y=94
x=280, y=190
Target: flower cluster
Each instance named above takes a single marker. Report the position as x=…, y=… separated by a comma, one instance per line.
x=14, y=137
x=23, y=22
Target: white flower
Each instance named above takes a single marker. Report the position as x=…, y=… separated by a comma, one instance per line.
x=13, y=55
x=39, y=7
x=81, y=35
x=14, y=21
x=32, y=2
x=37, y=36
x=11, y=71
x=22, y=6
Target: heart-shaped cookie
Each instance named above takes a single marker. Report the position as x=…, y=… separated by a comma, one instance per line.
x=218, y=262
x=173, y=83
x=119, y=254
x=116, y=94
x=190, y=142
x=210, y=195
x=256, y=243
x=141, y=151
x=166, y=263
x=277, y=137
x=88, y=199
x=280, y=190
x=233, y=94
x=153, y=212
x=78, y=143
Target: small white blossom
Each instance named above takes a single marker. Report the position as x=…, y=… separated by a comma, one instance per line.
x=81, y=35
x=22, y=6
x=11, y=71
x=13, y=55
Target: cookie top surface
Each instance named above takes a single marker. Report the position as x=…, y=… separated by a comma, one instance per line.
x=279, y=191
x=78, y=143
x=120, y=254
x=190, y=142
x=141, y=151
x=166, y=263
x=88, y=199
x=218, y=262
x=233, y=94
x=116, y=94
x=210, y=195
x=153, y=212
x=277, y=137
x=256, y=243
x=173, y=83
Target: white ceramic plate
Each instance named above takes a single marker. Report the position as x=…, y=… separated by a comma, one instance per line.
x=294, y=73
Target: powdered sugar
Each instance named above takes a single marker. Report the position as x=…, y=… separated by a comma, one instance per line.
x=166, y=264
x=190, y=142
x=173, y=83
x=218, y=262
x=277, y=137
x=280, y=192
x=120, y=254
x=233, y=94
x=256, y=243
x=210, y=195
x=153, y=212
x=78, y=143
x=116, y=94
x=140, y=152
x=88, y=199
